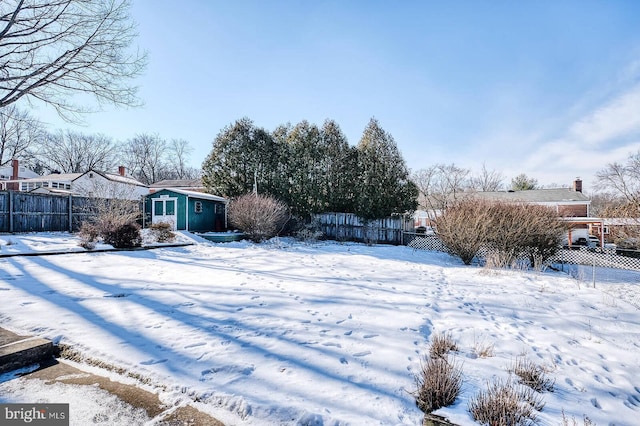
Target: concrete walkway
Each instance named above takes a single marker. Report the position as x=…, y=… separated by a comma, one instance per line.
x=21, y=351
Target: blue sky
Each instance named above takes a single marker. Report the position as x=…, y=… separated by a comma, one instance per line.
x=546, y=88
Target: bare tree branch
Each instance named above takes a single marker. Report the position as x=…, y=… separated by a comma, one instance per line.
x=19, y=132
x=50, y=50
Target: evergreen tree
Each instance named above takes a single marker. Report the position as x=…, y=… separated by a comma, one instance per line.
x=384, y=187
x=523, y=182
x=339, y=164
x=244, y=158
x=305, y=169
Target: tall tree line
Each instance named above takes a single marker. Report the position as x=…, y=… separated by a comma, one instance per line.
x=312, y=169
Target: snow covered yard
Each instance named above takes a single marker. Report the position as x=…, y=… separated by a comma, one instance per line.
x=288, y=333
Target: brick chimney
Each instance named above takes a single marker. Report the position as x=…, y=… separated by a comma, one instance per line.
x=577, y=185
x=15, y=175
x=15, y=164
x=121, y=170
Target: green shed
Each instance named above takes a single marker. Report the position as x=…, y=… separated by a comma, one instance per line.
x=186, y=210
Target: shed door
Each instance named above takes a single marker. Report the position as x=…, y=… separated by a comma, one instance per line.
x=164, y=209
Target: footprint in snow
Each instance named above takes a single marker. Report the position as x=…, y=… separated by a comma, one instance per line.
x=370, y=336
x=361, y=354
x=153, y=361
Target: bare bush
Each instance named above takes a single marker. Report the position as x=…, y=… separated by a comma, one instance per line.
x=111, y=213
x=532, y=375
x=126, y=235
x=438, y=384
x=483, y=349
x=88, y=236
x=260, y=217
x=504, y=403
x=162, y=232
x=586, y=421
x=524, y=231
x=508, y=232
x=441, y=345
x=462, y=228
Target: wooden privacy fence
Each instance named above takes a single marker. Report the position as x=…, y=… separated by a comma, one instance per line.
x=25, y=212
x=349, y=227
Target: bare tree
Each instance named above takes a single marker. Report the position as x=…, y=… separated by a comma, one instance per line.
x=52, y=49
x=178, y=152
x=18, y=132
x=440, y=185
x=74, y=152
x=622, y=179
x=145, y=156
x=487, y=180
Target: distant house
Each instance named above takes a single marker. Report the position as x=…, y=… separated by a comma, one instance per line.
x=187, y=184
x=91, y=183
x=9, y=175
x=567, y=202
x=186, y=210
x=570, y=204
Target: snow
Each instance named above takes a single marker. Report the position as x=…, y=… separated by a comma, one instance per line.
x=328, y=333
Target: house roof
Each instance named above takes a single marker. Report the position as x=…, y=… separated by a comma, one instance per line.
x=178, y=183
x=6, y=173
x=192, y=194
x=70, y=177
x=556, y=195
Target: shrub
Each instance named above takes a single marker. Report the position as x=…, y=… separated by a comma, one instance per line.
x=124, y=236
x=438, y=384
x=113, y=220
x=162, y=232
x=566, y=422
x=88, y=236
x=483, y=349
x=260, y=217
x=532, y=375
x=441, y=345
x=523, y=231
x=508, y=232
x=462, y=228
x=504, y=403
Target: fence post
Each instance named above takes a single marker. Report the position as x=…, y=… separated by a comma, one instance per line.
x=70, y=213
x=11, y=203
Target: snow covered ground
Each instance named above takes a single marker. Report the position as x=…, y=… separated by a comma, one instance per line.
x=324, y=334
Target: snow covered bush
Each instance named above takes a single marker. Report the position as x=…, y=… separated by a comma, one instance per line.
x=260, y=217
x=505, y=403
x=438, y=384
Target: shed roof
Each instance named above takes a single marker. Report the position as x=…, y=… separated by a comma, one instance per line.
x=178, y=183
x=192, y=194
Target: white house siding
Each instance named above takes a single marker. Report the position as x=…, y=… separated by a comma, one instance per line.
x=92, y=184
